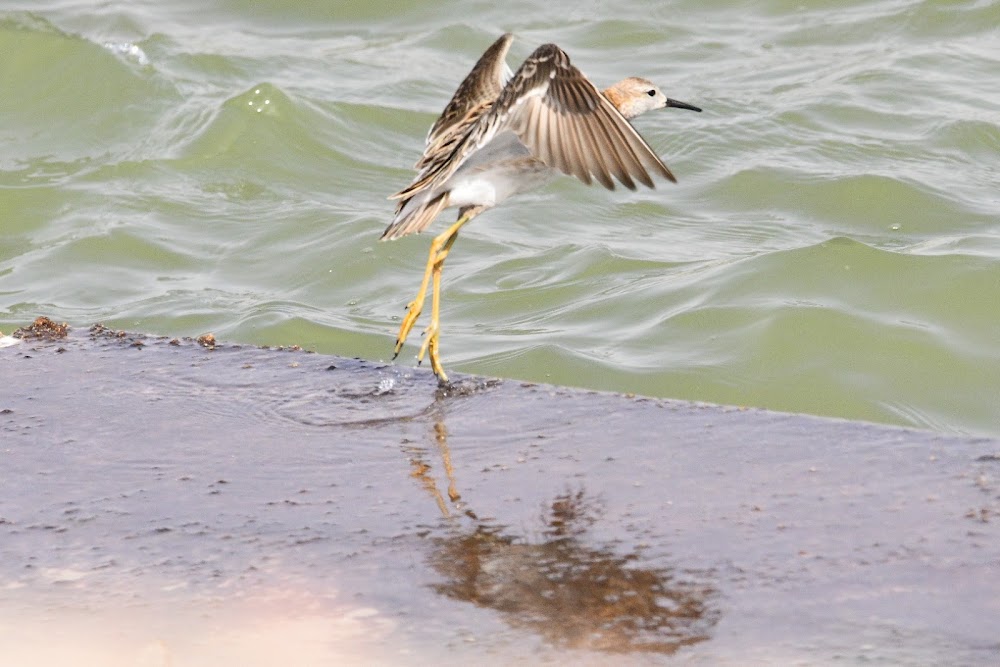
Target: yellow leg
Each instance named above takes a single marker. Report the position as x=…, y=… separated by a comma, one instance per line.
x=434, y=329
x=414, y=307
x=440, y=247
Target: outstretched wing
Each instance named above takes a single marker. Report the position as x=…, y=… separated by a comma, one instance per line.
x=477, y=91
x=568, y=124
x=565, y=122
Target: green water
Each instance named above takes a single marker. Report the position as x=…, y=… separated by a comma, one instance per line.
x=833, y=246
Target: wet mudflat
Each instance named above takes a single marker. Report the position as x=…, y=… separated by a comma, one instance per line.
x=176, y=502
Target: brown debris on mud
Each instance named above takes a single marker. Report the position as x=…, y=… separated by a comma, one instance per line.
x=42, y=328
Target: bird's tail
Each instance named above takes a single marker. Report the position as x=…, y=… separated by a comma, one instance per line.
x=415, y=215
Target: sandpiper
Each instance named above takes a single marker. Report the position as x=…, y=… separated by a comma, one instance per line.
x=505, y=133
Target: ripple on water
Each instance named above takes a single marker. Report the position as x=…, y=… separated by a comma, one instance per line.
x=260, y=146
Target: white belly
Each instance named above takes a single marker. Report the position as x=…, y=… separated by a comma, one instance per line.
x=489, y=184
x=500, y=169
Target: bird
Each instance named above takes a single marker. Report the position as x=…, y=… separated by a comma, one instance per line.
x=506, y=132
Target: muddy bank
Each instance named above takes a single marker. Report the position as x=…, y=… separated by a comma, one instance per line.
x=189, y=502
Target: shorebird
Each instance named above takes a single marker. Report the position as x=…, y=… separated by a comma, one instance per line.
x=504, y=133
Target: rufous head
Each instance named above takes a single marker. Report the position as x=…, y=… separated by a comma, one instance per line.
x=635, y=96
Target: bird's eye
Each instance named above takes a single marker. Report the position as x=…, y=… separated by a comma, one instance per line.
x=651, y=93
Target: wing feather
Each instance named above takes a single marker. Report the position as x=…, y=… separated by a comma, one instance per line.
x=480, y=88
x=562, y=118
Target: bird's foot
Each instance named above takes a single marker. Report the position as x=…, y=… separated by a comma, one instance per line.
x=430, y=348
x=412, y=313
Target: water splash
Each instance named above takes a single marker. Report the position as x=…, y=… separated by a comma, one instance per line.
x=129, y=51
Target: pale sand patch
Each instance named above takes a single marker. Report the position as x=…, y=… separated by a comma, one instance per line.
x=272, y=629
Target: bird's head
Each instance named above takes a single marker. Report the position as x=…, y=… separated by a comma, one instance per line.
x=635, y=96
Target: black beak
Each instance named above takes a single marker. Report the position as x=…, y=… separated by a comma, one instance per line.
x=681, y=105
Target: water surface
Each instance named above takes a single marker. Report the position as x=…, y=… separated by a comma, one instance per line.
x=832, y=247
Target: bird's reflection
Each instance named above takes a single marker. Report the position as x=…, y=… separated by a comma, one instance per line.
x=421, y=470
x=570, y=592
x=563, y=585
